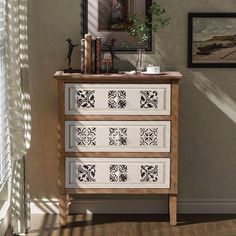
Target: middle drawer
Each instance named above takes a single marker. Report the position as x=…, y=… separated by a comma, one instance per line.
x=117, y=136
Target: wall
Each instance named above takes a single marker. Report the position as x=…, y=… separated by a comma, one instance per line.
x=207, y=99
x=50, y=23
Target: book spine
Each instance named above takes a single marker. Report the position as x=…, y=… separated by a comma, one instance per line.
x=98, y=55
x=82, y=56
x=93, y=56
x=88, y=54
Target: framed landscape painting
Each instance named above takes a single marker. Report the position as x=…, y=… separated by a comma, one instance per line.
x=102, y=18
x=212, y=40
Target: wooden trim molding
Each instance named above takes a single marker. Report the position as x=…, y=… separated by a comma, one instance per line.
x=117, y=78
x=136, y=206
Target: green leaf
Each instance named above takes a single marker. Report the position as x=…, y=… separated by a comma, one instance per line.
x=141, y=29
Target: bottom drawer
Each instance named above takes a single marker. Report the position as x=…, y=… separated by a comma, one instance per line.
x=117, y=173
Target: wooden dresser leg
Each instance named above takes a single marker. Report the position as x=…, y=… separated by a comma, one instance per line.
x=63, y=208
x=173, y=209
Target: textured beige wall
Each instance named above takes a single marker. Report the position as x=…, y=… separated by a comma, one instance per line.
x=207, y=99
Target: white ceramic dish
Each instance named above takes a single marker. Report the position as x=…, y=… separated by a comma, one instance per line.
x=149, y=73
x=130, y=72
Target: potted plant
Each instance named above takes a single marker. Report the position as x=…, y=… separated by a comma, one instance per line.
x=141, y=28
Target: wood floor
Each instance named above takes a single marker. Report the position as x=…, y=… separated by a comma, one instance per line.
x=134, y=225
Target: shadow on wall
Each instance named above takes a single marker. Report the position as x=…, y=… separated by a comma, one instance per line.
x=215, y=95
x=157, y=56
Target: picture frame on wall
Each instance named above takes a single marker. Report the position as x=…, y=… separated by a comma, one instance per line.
x=211, y=40
x=100, y=18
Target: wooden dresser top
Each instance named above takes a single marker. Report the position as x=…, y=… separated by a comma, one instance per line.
x=166, y=77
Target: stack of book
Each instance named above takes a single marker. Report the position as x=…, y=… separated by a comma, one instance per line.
x=90, y=55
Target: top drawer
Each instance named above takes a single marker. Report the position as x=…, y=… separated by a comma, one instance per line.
x=117, y=99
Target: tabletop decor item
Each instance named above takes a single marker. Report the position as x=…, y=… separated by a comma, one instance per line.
x=111, y=47
x=71, y=47
x=107, y=60
x=141, y=29
x=211, y=40
x=90, y=55
x=140, y=63
x=151, y=69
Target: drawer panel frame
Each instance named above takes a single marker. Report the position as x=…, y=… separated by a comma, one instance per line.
x=117, y=173
x=94, y=99
x=107, y=136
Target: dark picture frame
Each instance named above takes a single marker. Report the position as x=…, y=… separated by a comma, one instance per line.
x=211, y=41
x=107, y=33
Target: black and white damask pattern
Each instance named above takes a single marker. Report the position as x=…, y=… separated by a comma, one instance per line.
x=85, y=98
x=86, y=173
x=117, y=136
x=117, y=99
x=86, y=136
x=148, y=136
x=149, y=173
x=118, y=173
x=149, y=99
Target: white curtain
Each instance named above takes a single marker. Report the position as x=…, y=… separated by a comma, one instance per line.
x=19, y=109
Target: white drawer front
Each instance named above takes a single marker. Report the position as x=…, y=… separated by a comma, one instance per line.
x=124, y=99
x=117, y=173
x=117, y=136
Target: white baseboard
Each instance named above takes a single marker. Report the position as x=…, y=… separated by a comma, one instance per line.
x=137, y=206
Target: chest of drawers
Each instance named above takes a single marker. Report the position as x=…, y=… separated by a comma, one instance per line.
x=118, y=134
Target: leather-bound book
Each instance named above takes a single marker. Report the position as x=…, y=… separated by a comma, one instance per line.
x=88, y=54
